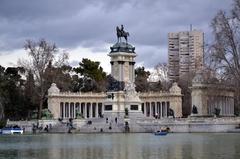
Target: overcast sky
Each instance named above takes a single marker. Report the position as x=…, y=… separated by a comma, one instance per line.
x=87, y=28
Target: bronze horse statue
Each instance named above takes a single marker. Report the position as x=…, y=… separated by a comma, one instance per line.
x=121, y=33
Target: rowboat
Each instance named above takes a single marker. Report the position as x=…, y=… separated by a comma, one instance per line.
x=161, y=133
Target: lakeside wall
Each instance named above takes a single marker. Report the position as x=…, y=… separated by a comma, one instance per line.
x=180, y=125
x=194, y=125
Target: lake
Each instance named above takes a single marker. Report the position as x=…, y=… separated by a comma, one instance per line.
x=121, y=146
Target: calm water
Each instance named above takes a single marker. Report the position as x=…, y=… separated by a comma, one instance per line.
x=120, y=146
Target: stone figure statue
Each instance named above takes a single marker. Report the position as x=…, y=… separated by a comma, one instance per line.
x=171, y=112
x=130, y=92
x=121, y=33
x=194, y=110
x=217, y=111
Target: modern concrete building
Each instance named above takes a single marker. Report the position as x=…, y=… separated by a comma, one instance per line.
x=185, y=53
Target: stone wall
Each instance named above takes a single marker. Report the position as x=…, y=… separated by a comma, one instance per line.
x=191, y=125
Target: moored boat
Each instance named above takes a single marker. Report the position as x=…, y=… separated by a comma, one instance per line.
x=12, y=130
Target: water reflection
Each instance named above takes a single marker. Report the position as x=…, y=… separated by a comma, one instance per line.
x=120, y=146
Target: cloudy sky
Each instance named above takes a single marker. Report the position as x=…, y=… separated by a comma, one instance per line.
x=86, y=28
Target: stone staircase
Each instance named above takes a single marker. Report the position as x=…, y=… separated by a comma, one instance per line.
x=61, y=127
x=100, y=124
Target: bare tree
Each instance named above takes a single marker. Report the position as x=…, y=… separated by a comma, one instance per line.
x=161, y=70
x=225, y=51
x=40, y=53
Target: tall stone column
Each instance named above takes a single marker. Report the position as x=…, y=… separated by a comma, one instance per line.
x=155, y=108
x=225, y=106
x=74, y=110
x=64, y=110
x=133, y=72
x=96, y=115
x=85, y=110
x=166, y=109
x=121, y=73
x=81, y=109
x=130, y=71
x=227, y=103
x=221, y=105
x=232, y=106
x=150, y=109
x=102, y=109
x=145, y=109
x=161, y=108
x=90, y=111
x=112, y=65
x=69, y=113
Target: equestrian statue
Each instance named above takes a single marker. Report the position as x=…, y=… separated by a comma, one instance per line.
x=121, y=33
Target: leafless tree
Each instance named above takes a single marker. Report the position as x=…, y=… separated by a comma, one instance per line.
x=161, y=70
x=225, y=50
x=40, y=53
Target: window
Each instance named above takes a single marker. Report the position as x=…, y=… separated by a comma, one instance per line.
x=108, y=107
x=134, y=107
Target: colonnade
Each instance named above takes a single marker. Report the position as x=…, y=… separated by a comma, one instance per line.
x=224, y=103
x=156, y=109
x=86, y=109
x=120, y=66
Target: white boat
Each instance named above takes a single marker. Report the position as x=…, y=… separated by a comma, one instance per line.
x=11, y=130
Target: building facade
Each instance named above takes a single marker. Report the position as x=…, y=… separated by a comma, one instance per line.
x=94, y=105
x=185, y=53
x=207, y=97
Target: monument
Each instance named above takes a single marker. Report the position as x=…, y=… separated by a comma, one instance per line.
x=122, y=95
x=121, y=99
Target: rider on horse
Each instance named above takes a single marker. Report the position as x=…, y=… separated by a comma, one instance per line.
x=121, y=33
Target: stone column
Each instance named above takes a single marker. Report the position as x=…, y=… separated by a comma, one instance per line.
x=69, y=113
x=166, y=108
x=163, y=109
x=85, y=110
x=90, y=111
x=232, y=106
x=221, y=105
x=225, y=106
x=121, y=73
x=133, y=72
x=112, y=65
x=228, y=105
x=74, y=110
x=150, y=109
x=63, y=110
x=81, y=109
x=160, y=109
x=102, y=109
x=96, y=115
x=155, y=107
x=130, y=71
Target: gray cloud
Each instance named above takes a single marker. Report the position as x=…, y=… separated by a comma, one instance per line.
x=92, y=23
